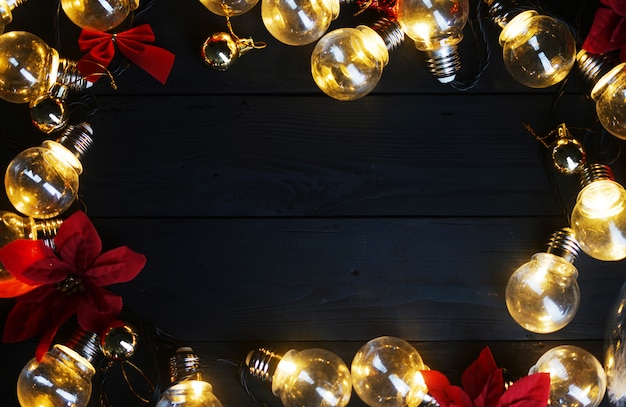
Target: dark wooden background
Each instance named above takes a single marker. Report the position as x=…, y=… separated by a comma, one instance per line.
x=272, y=215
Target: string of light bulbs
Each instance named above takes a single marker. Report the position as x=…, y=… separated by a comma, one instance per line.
x=385, y=368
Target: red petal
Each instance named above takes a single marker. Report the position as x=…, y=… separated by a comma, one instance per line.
x=478, y=375
x=18, y=255
x=440, y=389
x=45, y=342
x=619, y=6
x=11, y=287
x=529, y=391
x=98, y=309
x=47, y=271
x=602, y=29
x=77, y=242
x=492, y=390
x=119, y=265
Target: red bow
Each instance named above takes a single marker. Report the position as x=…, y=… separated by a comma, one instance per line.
x=69, y=281
x=483, y=386
x=101, y=46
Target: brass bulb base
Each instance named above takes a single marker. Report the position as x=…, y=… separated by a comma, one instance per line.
x=390, y=32
x=184, y=364
x=592, y=67
x=261, y=364
x=86, y=344
x=444, y=63
x=69, y=78
x=595, y=172
x=563, y=244
x=77, y=139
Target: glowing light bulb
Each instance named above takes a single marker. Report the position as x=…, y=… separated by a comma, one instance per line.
x=63, y=376
x=6, y=7
x=542, y=295
x=189, y=389
x=229, y=8
x=298, y=22
x=311, y=377
x=14, y=227
x=42, y=182
x=576, y=376
x=98, y=15
x=538, y=50
x=386, y=373
x=436, y=27
x=347, y=63
x=606, y=82
x=599, y=216
x=615, y=352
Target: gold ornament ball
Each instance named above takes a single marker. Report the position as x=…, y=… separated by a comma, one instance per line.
x=119, y=341
x=568, y=155
x=220, y=51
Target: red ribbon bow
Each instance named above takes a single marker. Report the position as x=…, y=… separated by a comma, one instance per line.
x=156, y=61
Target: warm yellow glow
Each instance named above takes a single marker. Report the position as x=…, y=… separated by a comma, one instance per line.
x=189, y=393
x=229, y=8
x=542, y=295
x=298, y=22
x=100, y=15
x=610, y=96
x=599, y=220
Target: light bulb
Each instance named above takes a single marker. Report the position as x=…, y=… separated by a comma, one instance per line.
x=42, y=182
x=386, y=373
x=188, y=389
x=347, y=63
x=14, y=227
x=6, y=7
x=229, y=8
x=298, y=22
x=311, y=377
x=542, y=295
x=63, y=376
x=615, y=352
x=538, y=50
x=606, y=80
x=576, y=376
x=436, y=27
x=98, y=15
x=599, y=216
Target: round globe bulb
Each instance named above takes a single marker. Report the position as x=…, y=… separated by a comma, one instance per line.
x=229, y=8
x=347, y=63
x=436, y=27
x=542, y=295
x=386, y=373
x=599, y=220
x=538, y=50
x=62, y=378
x=298, y=22
x=608, y=94
x=100, y=15
x=189, y=393
x=615, y=352
x=576, y=376
x=312, y=378
x=28, y=67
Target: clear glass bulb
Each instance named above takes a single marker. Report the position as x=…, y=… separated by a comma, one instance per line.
x=229, y=8
x=61, y=379
x=14, y=227
x=599, y=219
x=189, y=393
x=42, y=182
x=436, y=27
x=576, y=376
x=386, y=373
x=542, y=295
x=609, y=95
x=298, y=22
x=615, y=351
x=538, y=50
x=312, y=378
x=98, y=15
x=347, y=63
x=6, y=8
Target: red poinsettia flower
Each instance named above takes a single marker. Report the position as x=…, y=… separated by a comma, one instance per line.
x=69, y=281
x=608, y=29
x=483, y=386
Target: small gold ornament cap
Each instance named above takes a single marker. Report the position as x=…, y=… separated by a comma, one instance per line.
x=221, y=50
x=119, y=341
x=568, y=154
